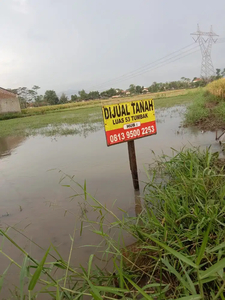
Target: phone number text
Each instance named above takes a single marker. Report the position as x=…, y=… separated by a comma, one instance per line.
x=131, y=134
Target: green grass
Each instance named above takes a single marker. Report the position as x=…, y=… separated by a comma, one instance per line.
x=9, y=116
x=179, y=251
x=31, y=125
x=197, y=111
x=176, y=100
x=220, y=112
x=207, y=111
x=84, y=114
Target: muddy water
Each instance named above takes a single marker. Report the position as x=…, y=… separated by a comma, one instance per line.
x=34, y=201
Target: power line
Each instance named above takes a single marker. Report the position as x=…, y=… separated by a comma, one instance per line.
x=162, y=65
x=140, y=68
x=156, y=66
x=221, y=40
x=127, y=75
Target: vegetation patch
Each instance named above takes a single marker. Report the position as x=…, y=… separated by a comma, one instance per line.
x=41, y=110
x=217, y=88
x=10, y=116
x=207, y=111
x=37, y=124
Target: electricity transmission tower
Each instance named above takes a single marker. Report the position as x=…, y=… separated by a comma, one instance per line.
x=206, y=40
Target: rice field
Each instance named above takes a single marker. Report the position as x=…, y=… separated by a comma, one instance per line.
x=77, y=113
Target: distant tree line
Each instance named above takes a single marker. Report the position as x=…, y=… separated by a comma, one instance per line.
x=30, y=97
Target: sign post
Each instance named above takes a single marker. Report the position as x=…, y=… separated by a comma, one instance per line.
x=133, y=164
x=125, y=122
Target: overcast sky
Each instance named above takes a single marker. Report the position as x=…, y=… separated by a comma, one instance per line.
x=73, y=44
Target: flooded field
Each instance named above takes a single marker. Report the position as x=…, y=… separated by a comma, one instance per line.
x=34, y=201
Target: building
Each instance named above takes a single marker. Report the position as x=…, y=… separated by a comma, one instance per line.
x=9, y=102
x=196, y=80
x=145, y=90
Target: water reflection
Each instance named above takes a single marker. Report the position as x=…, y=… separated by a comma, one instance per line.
x=138, y=202
x=7, y=144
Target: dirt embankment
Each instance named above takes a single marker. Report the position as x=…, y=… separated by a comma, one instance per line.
x=212, y=122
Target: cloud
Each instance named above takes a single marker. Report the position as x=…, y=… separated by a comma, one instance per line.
x=71, y=44
x=20, y=6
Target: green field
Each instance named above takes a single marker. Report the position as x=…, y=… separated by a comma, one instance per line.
x=52, y=121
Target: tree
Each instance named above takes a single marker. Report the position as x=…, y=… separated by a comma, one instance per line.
x=63, y=99
x=83, y=95
x=39, y=100
x=74, y=98
x=34, y=91
x=51, y=98
x=33, y=95
x=220, y=73
x=23, y=102
x=104, y=94
x=21, y=96
x=154, y=87
x=109, y=93
x=94, y=95
x=138, y=89
x=27, y=95
x=185, y=82
x=132, y=88
x=24, y=93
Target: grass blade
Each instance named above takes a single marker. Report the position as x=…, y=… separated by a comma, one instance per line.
x=89, y=264
x=121, y=273
x=221, y=246
x=38, y=271
x=203, y=246
x=191, y=284
x=173, y=271
x=194, y=297
x=172, y=251
x=23, y=274
x=3, y=277
x=85, y=190
x=95, y=297
x=213, y=269
x=138, y=289
x=58, y=294
x=112, y=290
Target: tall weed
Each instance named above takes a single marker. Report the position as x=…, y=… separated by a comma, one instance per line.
x=217, y=88
x=197, y=110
